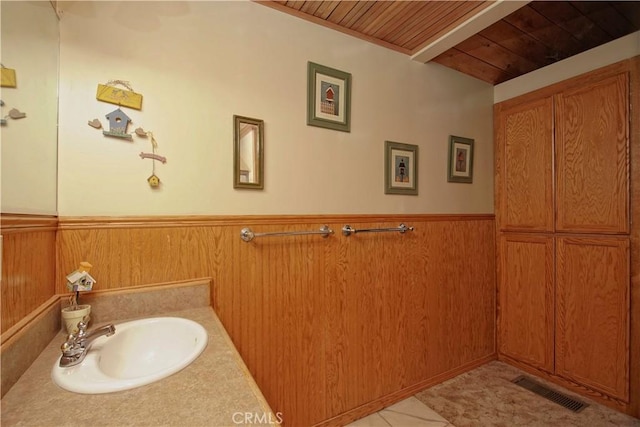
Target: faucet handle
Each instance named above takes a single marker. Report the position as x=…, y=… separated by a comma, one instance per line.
x=82, y=327
x=69, y=347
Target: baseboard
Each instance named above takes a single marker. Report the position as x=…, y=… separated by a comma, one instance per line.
x=382, y=402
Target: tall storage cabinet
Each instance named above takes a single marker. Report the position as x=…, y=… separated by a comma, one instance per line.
x=592, y=157
x=525, y=169
x=592, y=313
x=527, y=298
x=563, y=200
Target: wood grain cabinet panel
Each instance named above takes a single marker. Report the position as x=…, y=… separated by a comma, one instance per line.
x=526, y=296
x=592, y=157
x=592, y=330
x=525, y=166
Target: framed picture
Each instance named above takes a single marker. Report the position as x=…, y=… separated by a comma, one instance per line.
x=400, y=168
x=328, y=98
x=460, y=159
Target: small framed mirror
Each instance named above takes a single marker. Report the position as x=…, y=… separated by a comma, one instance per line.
x=248, y=162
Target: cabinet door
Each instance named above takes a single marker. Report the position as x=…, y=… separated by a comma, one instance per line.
x=592, y=157
x=592, y=318
x=524, y=166
x=526, y=299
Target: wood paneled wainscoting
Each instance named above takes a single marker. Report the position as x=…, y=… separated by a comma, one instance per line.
x=28, y=266
x=331, y=328
x=27, y=292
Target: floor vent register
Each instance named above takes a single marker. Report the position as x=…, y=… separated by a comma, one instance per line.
x=554, y=396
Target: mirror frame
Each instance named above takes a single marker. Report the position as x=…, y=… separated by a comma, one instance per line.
x=259, y=153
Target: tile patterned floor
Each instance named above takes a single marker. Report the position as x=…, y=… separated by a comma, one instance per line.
x=486, y=397
x=408, y=413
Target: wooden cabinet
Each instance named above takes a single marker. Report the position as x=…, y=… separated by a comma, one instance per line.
x=526, y=298
x=592, y=323
x=563, y=199
x=592, y=157
x=591, y=169
x=525, y=165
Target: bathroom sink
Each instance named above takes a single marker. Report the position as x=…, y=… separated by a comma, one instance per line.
x=139, y=353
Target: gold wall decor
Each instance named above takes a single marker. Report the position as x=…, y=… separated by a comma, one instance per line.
x=118, y=96
x=7, y=77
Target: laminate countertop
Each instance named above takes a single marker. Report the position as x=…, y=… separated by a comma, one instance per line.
x=215, y=390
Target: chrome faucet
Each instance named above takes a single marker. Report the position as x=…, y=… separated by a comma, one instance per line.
x=75, y=348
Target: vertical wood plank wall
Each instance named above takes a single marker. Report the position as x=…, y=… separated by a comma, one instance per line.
x=28, y=265
x=326, y=326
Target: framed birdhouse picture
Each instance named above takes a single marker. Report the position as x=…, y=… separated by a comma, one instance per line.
x=328, y=98
x=400, y=168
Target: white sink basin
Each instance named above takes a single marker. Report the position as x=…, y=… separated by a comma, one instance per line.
x=139, y=353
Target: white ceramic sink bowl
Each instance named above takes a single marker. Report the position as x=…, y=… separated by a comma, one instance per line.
x=139, y=353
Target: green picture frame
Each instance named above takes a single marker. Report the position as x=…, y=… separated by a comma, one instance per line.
x=460, y=167
x=400, y=168
x=328, y=97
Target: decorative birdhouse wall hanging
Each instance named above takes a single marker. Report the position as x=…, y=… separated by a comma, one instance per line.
x=153, y=181
x=118, y=122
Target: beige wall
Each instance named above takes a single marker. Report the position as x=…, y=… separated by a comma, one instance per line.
x=199, y=63
x=617, y=50
x=29, y=158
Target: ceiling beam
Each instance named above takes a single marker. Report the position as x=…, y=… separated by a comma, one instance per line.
x=473, y=25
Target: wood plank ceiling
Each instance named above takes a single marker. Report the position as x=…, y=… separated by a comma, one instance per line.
x=538, y=34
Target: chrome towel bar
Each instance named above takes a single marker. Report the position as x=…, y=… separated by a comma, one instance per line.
x=347, y=230
x=247, y=235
